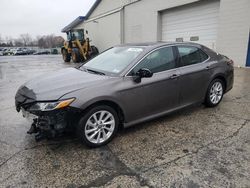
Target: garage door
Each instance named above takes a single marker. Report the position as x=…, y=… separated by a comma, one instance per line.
x=196, y=22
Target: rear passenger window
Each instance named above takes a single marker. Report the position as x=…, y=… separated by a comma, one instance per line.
x=191, y=55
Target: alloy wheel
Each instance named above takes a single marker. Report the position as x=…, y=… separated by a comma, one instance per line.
x=99, y=127
x=216, y=92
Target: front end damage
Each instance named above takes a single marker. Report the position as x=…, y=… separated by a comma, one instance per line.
x=49, y=125
x=46, y=123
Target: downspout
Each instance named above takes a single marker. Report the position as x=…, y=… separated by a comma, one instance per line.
x=122, y=26
x=122, y=20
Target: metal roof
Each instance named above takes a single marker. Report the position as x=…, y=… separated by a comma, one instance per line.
x=80, y=19
x=74, y=23
x=97, y=2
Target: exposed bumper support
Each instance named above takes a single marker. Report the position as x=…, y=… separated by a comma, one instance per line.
x=48, y=126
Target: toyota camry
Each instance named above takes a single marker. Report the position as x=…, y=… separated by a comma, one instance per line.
x=123, y=86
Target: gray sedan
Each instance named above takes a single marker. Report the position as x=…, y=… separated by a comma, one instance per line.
x=123, y=86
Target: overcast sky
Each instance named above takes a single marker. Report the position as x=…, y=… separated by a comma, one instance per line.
x=39, y=17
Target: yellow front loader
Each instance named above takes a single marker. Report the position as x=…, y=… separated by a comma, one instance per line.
x=77, y=47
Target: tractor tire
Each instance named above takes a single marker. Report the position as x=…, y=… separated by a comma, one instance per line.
x=94, y=51
x=66, y=55
x=76, y=57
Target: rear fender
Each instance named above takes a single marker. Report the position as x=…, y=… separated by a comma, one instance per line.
x=220, y=76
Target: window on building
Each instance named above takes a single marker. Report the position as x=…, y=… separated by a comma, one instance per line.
x=179, y=39
x=194, y=38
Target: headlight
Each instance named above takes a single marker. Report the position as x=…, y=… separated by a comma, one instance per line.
x=48, y=106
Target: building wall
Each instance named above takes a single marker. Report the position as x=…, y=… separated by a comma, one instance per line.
x=104, y=32
x=105, y=6
x=140, y=21
x=104, y=25
x=233, y=33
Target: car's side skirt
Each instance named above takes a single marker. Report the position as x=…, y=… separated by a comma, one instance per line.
x=154, y=116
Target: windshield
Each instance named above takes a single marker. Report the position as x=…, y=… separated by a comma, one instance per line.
x=73, y=35
x=114, y=60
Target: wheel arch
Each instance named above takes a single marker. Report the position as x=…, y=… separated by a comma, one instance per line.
x=221, y=77
x=108, y=102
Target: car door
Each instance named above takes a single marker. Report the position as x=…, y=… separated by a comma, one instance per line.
x=156, y=94
x=194, y=74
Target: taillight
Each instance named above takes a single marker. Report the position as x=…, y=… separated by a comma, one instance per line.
x=230, y=62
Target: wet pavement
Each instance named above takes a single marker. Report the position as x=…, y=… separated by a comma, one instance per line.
x=195, y=147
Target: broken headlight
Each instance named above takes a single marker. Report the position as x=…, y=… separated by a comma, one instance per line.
x=48, y=106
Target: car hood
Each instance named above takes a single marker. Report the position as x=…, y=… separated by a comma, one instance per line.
x=54, y=85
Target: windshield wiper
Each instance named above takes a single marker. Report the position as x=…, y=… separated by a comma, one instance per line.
x=90, y=70
x=94, y=71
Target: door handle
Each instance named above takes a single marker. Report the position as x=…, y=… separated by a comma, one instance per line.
x=207, y=67
x=174, y=76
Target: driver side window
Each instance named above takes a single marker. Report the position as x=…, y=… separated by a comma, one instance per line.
x=159, y=60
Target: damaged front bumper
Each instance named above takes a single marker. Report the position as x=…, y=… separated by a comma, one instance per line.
x=51, y=124
x=47, y=123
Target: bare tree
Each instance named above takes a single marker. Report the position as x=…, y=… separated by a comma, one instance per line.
x=26, y=38
x=46, y=41
x=49, y=41
x=58, y=41
x=18, y=42
x=41, y=42
x=8, y=41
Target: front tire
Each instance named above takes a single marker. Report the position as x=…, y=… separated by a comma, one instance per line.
x=94, y=51
x=76, y=57
x=215, y=93
x=98, y=126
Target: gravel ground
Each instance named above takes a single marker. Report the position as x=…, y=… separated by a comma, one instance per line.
x=195, y=147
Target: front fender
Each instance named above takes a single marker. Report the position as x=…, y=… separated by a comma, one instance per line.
x=100, y=99
x=86, y=98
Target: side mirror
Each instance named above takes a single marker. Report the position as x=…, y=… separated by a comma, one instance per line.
x=142, y=73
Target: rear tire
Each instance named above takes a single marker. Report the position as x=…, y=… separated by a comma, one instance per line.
x=98, y=126
x=66, y=56
x=214, y=93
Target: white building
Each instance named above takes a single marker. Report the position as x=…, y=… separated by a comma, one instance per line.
x=222, y=25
